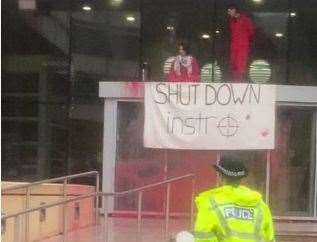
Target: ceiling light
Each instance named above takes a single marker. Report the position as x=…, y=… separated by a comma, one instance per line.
x=86, y=8
x=116, y=2
x=292, y=14
x=279, y=35
x=130, y=19
x=217, y=31
x=170, y=28
x=205, y=36
x=27, y=4
x=257, y=1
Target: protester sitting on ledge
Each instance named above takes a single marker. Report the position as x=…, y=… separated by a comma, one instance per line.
x=185, y=67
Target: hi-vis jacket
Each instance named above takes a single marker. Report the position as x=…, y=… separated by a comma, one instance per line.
x=233, y=214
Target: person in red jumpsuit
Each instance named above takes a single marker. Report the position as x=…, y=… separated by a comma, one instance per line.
x=185, y=67
x=242, y=31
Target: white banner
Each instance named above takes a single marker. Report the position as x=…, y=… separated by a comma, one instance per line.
x=215, y=116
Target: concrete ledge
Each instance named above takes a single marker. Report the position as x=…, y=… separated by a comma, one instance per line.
x=285, y=94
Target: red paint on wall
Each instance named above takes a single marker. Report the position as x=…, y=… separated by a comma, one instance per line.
x=136, y=173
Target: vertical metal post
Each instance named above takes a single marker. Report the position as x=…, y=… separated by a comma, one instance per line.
x=44, y=131
x=192, y=205
x=268, y=176
x=214, y=21
x=314, y=147
x=70, y=99
x=289, y=42
x=165, y=164
x=65, y=211
x=27, y=220
x=141, y=39
x=105, y=213
x=17, y=229
x=217, y=162
x=140, y=195
x=312, y=168
x=97, y=199
x=3, y=224
x=165, y=169
x=167, y=209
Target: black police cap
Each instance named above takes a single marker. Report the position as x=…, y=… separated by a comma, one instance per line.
x=231, y=167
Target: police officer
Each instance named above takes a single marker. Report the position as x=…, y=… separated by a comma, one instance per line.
x=232, y=212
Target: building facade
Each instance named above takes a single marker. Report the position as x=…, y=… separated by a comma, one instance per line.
x=55, y=53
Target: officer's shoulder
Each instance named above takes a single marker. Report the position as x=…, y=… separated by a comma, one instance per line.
x=207, y=194
x=202, y=199
x=252, y=192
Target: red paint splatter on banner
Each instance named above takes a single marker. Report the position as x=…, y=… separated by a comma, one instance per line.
x=265, y=133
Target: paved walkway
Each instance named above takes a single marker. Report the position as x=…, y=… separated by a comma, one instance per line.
x=125, y=230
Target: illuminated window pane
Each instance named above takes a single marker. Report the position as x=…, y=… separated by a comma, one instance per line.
x=260, y=71
x=206, y=73
x=168, y=64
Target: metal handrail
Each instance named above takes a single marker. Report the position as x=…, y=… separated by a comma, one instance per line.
x=115, y=194
x=139, y=190
x=146, y=187
x=65, y=180
x=56, y=179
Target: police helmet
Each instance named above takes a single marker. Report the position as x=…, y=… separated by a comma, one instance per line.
x=231, y=167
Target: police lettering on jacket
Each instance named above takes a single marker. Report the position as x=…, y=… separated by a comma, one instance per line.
x=239, y=213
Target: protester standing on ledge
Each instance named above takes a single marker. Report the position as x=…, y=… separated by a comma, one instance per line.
x=185, y=67
x=242, y=30
x=232, y=212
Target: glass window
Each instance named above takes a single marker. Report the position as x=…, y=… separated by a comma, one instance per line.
x=211, y=72
x=138, y=166
x=260, y=71
x=275, y=24
x=17, y=106
x=135, y=165
x=34, y=66
x=268, y=43
x=166, y=23
x=302, y=42
x=293, y=163
x=17, y=83
x=104, y=46
x=19, y=154
x=55, y=53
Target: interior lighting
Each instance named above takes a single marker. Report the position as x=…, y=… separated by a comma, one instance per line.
x=130, y=19
x=205, y=36
x=170, y=28
x=292, y=14
x=278, y=35
x=86, y=8
x=116, y=3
